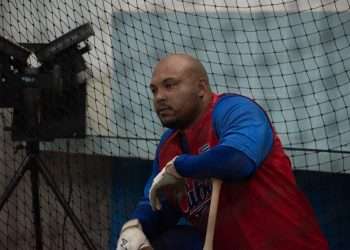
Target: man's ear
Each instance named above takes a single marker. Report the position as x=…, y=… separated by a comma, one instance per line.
x=203, y=87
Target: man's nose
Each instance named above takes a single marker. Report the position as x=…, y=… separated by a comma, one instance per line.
x=160, y=96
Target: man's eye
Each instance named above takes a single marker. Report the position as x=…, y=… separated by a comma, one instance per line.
x=169, y=85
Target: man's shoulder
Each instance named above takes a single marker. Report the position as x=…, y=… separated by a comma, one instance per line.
x=230, y=99
x=166, y=134
x=235, y=107
x=230, y=102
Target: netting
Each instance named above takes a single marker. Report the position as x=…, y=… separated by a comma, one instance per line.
x=292, y=57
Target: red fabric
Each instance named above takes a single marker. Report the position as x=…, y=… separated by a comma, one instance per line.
x=265, y=212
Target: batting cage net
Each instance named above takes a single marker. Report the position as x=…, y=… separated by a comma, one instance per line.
x=74, y=86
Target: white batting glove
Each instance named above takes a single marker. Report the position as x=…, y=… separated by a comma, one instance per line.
x=167, y=176
x=132, y=237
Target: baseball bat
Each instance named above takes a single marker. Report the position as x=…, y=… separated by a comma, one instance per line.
x=214, y=203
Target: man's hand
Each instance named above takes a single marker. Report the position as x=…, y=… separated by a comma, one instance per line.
x=168, y=176
x=132, y=237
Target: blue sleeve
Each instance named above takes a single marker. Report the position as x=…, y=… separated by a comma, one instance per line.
x=240, y=123
x=221, y=162
x=154, y=222
x=245, y=138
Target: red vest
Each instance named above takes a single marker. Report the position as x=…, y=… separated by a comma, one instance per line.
x=264, y=212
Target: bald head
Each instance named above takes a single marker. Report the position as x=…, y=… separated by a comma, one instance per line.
x=182, y=63
x=180, y=90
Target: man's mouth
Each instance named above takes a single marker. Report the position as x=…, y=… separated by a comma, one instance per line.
x=164, y=110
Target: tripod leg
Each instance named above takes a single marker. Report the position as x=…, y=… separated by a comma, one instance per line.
x=13, y=183
x=52, y=184
x=34, y=175
x=29, y=165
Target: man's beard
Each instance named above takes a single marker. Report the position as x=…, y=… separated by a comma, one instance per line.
x=175, y=124
x=170, y=124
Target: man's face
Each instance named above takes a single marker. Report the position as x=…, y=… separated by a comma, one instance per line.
x=176, y=94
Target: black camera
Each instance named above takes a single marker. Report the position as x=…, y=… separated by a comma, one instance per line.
x=48, y=100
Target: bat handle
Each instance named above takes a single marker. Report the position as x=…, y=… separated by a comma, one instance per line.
x=214, y=203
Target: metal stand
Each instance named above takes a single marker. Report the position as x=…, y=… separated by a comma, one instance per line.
x=36, y=166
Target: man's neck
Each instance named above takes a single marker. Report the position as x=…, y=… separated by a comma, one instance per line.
x=207, y=100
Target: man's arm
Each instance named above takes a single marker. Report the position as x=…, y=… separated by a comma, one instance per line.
x=154, y=222
x=245, y=138
x=221, y=162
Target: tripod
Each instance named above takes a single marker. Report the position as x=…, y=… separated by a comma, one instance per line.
x=36, y=166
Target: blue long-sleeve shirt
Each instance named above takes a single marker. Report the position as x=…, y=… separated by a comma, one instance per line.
x=245, y=138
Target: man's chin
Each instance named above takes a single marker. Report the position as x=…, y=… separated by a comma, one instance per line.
x=169, y=123
x=173, y=124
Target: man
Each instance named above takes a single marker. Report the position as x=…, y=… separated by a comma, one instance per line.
x=228, y=137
